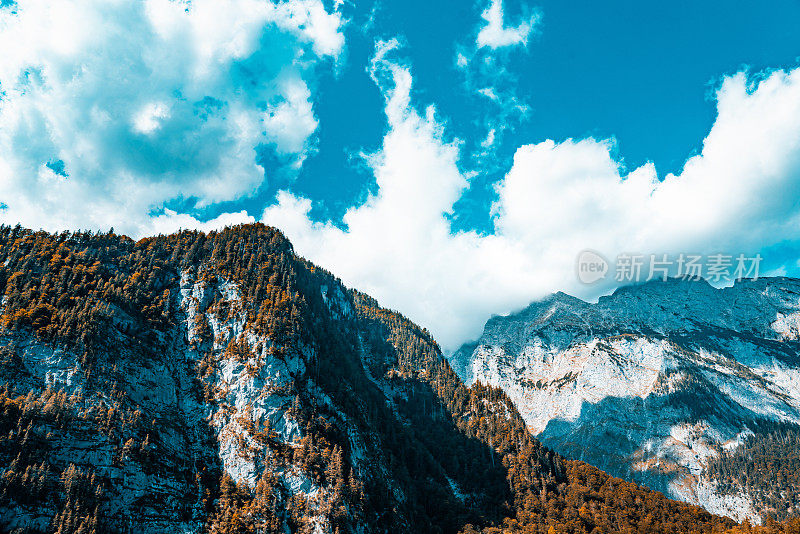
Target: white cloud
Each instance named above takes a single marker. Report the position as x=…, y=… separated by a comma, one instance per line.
x=310, y=18
x=489, y=93
x=290, y=122
x=171, y=221
x=738, y=195
x=146, y=102
x=494, y=34
x=398, y=244
x=148, y=119
x=489, y=139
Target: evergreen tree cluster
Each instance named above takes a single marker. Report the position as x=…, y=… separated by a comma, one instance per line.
x=767, y=466
x=435, y=456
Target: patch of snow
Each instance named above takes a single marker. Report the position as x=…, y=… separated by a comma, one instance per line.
x=787, y=326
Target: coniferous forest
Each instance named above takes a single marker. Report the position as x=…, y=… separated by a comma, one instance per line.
x=370, y=430
x=767, y=464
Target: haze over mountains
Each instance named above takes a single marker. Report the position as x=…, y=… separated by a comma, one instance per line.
x=662, y=383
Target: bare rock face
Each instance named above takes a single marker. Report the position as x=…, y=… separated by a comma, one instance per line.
x=651, y=382
x=220, y=383
x=201, y=406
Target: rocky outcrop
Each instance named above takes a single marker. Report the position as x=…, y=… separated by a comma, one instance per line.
x=215, y=397
x=219, y=383
x=652, y=381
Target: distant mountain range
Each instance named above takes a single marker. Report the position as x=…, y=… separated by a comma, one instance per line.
x=690, y=390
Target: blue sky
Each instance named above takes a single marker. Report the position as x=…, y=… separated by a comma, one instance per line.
x=639, y=72
x=451, y=158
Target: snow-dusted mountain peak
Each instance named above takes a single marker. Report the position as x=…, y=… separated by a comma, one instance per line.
x=653, y=380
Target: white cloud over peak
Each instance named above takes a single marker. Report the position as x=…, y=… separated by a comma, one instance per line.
x=171, y=221
x=557, y=199
x=495, y=34
x=398, y=243
x=120, y=107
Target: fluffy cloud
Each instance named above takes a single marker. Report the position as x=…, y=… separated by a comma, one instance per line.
x=110, y=110
x=118, y=107
x=170, y=221
x=494, y=34
x=557, y=199
x=739, y=193
x=398, y=244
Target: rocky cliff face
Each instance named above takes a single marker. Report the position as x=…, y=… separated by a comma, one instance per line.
x=212, y=397
x=220, y=383
x=194, y=384
x=653, y=381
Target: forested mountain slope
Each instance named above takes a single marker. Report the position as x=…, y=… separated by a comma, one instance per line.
x=220, y=383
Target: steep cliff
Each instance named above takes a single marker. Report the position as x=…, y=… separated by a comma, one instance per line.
x=656, y=381
x=220, y=383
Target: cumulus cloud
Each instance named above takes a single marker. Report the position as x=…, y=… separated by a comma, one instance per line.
x=398, y=244
x=495, y=34
x=119, y=107
x=739, y=192
x=171, y=221
x=557, y=199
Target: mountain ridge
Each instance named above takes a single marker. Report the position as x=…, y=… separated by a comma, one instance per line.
x=220, y=383
x=678, y=372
